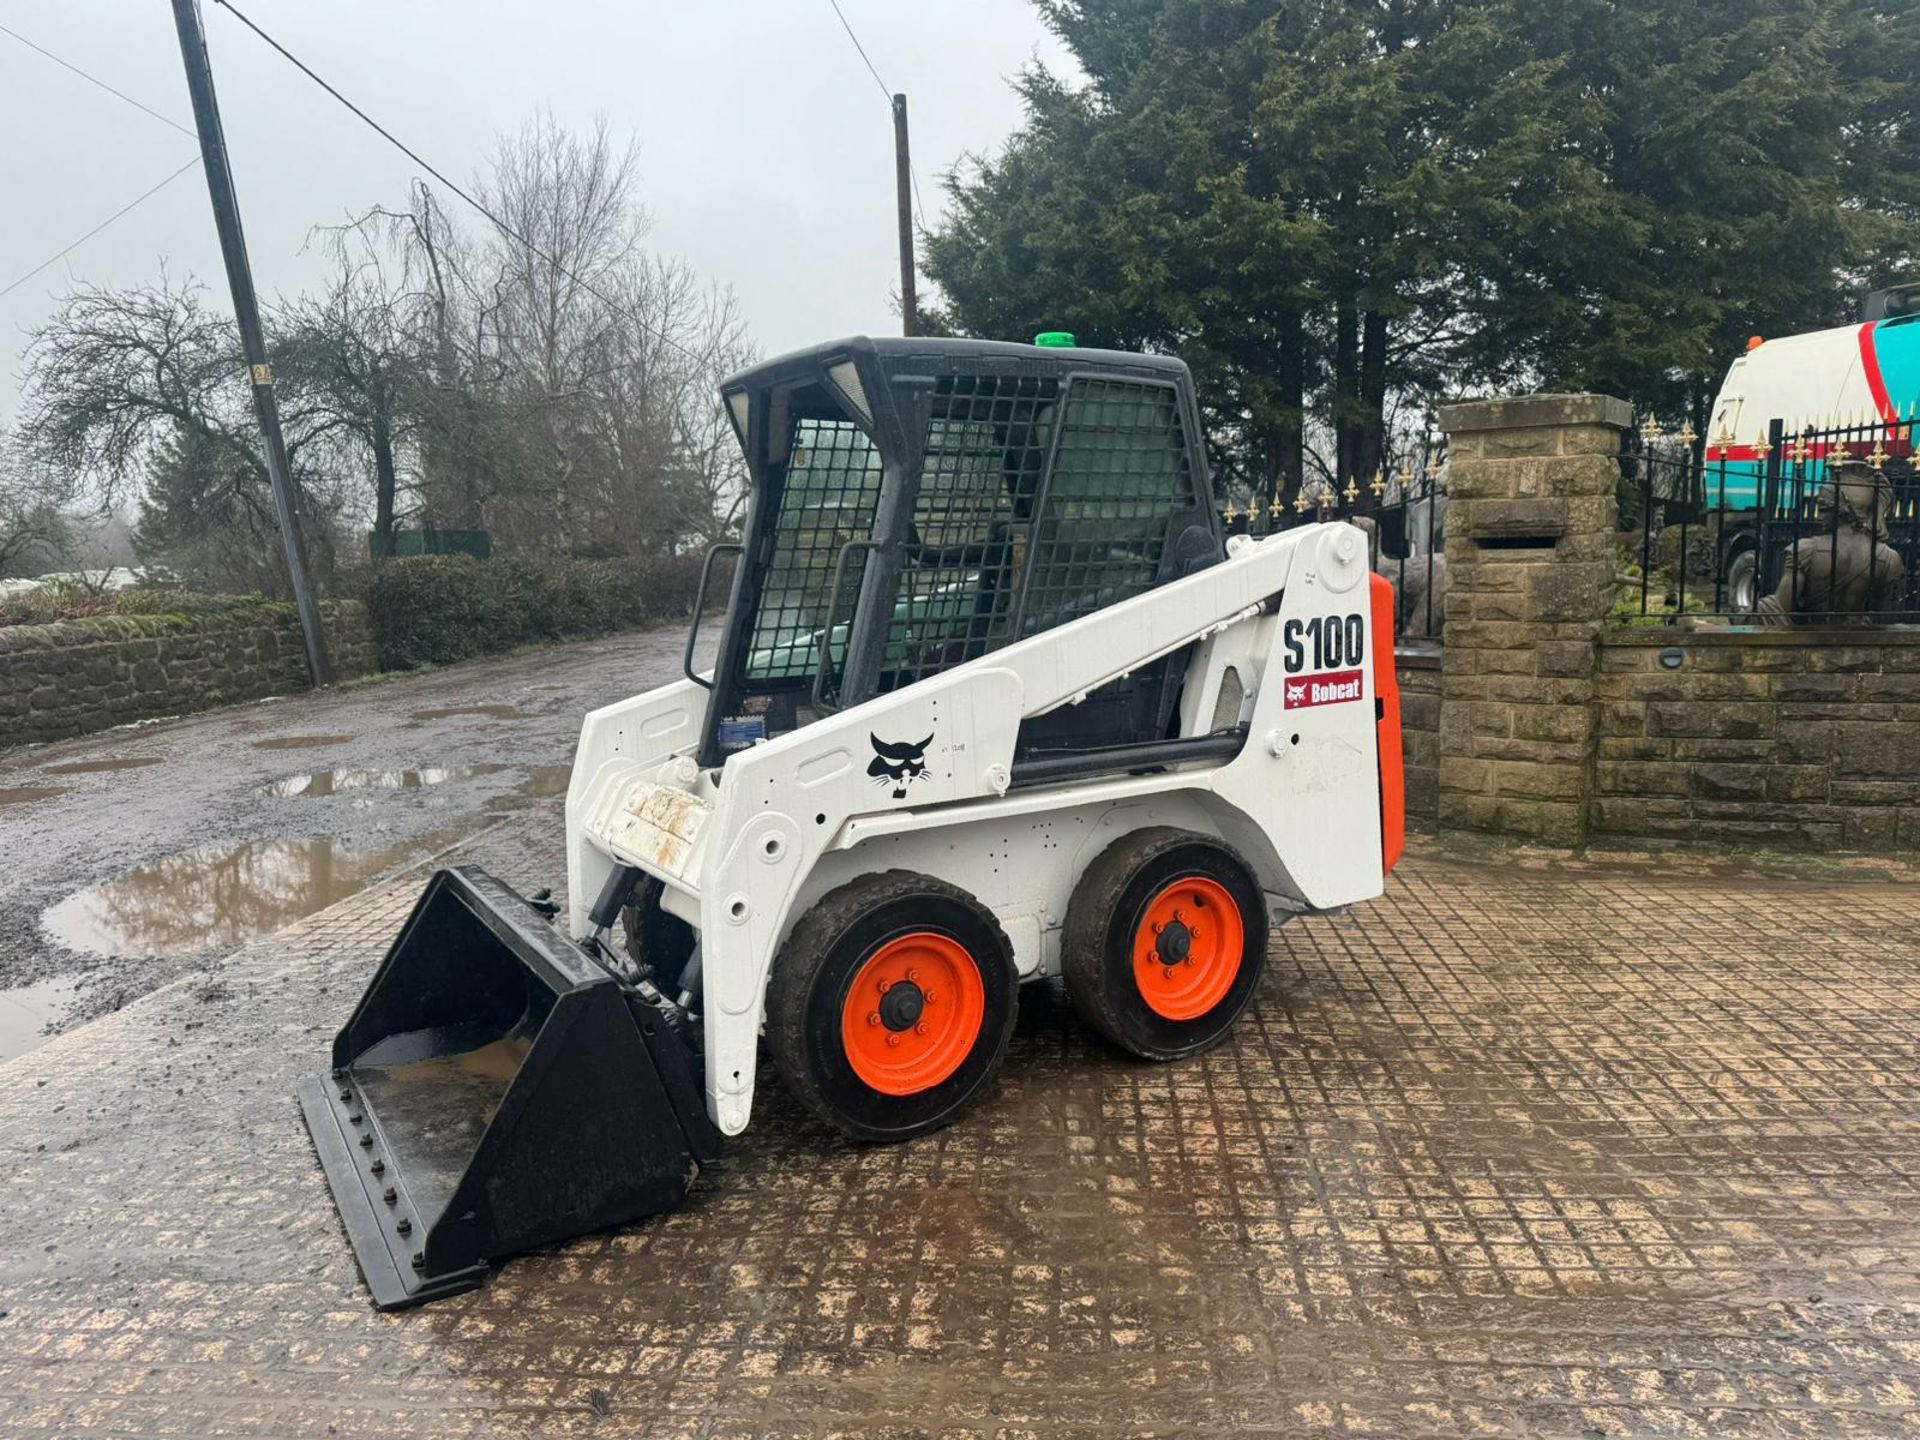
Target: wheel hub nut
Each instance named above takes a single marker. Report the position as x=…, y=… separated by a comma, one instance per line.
x=902, y=1005
x=1174, y=945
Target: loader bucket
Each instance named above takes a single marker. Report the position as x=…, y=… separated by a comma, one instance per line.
x=496, y=1090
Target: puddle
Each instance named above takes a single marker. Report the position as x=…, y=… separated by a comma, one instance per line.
x=492, y=712
x=98, y=767
x=220, y=898
x=28, y=1010
x=27, y=794
x=302, y=742
x=545, y=781
x=340, y=782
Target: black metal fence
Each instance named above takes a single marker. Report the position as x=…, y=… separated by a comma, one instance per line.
x=1818, y=525
x=1406, y=512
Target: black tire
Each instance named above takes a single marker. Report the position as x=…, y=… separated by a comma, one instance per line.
x=874, y=921
x=1105, y=919
x=660, y=944
x=1742, y=591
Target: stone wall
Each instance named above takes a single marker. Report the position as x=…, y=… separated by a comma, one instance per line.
x=1530, y=567
x=1419, y=672
x=1808, y=739
x=78, y=676
x=1555, y=724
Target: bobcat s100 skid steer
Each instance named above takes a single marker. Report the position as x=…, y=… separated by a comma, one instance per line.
x=993, y=703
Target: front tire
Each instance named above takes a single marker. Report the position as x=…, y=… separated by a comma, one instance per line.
x=1165, y=942
x=659, y=943
x=891, y=1005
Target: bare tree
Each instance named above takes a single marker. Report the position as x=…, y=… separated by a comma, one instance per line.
x=349, y=356
x=556, y=385
x=126, y=388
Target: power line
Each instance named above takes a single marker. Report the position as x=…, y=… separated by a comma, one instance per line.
x=131, y=204
x=499, y=224
x=885, y=89
x=96, y=80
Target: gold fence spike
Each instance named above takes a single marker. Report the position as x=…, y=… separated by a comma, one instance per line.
x=1379, y=484
x=1232, y=514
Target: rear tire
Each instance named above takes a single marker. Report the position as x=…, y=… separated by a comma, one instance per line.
x=1743, y=583
x=658, y=943
x=1165, y=942
x=891, y=1005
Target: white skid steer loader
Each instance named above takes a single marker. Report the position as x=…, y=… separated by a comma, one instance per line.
x=993, y=703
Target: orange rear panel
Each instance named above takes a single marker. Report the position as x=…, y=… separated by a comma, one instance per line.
x=1386, y=689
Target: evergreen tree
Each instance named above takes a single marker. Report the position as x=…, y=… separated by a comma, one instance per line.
x=1323, y=204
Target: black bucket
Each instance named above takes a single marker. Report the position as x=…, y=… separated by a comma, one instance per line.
x=495, y=1091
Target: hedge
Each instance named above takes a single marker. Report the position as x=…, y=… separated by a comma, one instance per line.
x=435, y=609
x=64, y=600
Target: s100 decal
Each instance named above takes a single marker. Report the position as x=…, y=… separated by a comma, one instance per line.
x=1337, y=644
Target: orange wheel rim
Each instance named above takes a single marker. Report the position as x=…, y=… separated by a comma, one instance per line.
x=1188, y=947
x=912, y=1013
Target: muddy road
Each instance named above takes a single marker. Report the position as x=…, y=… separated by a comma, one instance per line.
x=133, y=856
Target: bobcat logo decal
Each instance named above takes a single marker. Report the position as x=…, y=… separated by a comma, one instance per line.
x=898, y=766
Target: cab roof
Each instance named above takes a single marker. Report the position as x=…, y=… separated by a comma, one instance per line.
x=899, y=355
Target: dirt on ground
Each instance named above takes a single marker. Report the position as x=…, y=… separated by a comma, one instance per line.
x=139, y=854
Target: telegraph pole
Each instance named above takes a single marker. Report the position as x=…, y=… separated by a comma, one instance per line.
x=903, y=202
x=246, y=309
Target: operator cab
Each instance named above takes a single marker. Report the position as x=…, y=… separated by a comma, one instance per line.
x=918, y=503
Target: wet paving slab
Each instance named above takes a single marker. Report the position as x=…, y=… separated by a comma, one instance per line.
x=1509, y=1152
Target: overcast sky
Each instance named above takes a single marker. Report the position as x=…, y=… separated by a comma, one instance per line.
x=766, y=149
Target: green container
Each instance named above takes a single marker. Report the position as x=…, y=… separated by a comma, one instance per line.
x=432, y=540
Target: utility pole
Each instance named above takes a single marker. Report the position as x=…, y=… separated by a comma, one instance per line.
x=903, y=201
x=246, y=309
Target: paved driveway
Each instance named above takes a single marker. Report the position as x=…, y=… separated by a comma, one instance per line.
x=1561, y=1151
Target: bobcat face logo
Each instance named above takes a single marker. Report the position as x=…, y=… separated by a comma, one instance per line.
x=898, y=766
x=1296, y=692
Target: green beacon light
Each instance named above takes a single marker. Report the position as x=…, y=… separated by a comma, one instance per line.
x=1054, y=339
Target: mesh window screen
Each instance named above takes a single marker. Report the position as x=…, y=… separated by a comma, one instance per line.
x=1120, y=476
x=987, y=442
x=832, y=485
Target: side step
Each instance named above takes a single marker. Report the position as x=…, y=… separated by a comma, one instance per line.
x=496, y=1090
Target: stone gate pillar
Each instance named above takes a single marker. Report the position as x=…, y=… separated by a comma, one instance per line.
x=1531, y=509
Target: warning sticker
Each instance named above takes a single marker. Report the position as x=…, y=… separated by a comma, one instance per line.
x=1328, y=689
